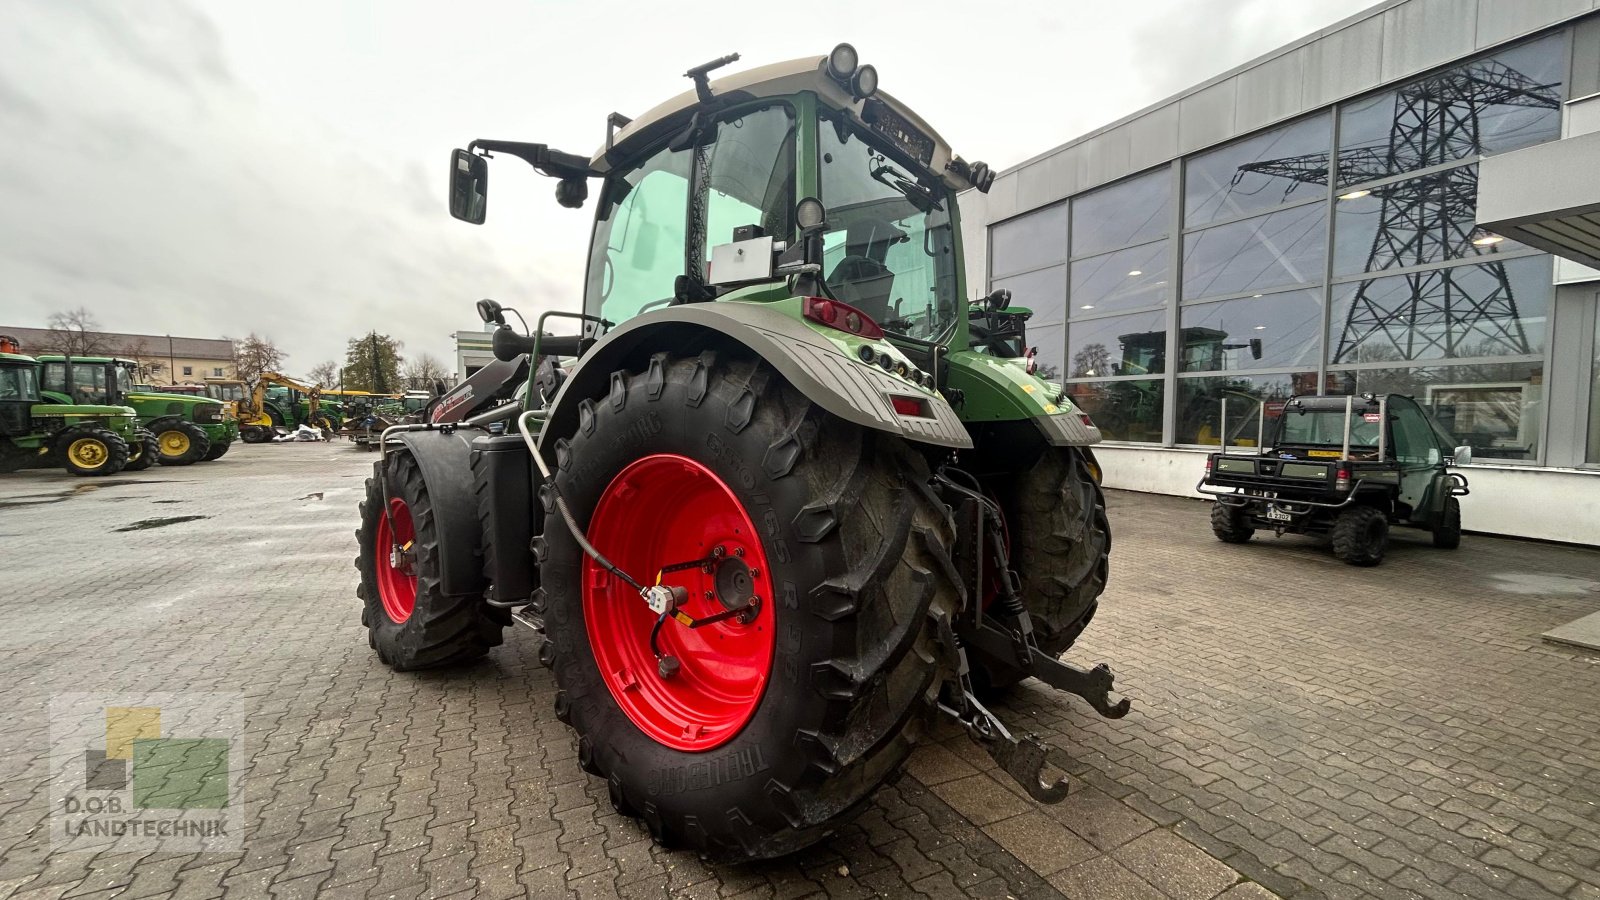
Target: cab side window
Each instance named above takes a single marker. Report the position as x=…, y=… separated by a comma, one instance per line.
x=1414, y=440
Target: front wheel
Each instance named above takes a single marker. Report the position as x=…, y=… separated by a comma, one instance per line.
x=218, y=450
x=756, y=735
x=181, y=443
x=411, y=622
x=142, y=451
x=1447, y=532
x=94, y=451
x=1360, y=535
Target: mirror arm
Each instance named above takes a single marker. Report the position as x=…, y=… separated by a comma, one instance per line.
x=553, y=163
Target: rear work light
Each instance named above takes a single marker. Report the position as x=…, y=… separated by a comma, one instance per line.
x=841, y=316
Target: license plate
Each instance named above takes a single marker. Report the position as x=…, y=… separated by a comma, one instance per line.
x=1278, y=515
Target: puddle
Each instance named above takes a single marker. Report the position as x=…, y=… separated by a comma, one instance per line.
x=169, y=501
x=1545, y=585
x=316, y=496
x=159, y=522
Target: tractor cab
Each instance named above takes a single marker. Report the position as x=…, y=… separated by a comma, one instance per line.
x=19, y=388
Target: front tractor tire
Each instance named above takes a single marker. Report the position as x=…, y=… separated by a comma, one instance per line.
x=142, y=451
x=411, y=622
x=181, y=443
x=217, y=451
x=93, y=451
x=773, y=730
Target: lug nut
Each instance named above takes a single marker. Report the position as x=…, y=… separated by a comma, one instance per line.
x=667, y=666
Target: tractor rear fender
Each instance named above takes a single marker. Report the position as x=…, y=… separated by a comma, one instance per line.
x=445, y=459
x=840, y=384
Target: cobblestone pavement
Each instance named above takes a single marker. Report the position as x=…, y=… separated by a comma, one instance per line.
x=1300, y=727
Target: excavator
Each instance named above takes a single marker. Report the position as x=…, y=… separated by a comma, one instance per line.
x=262, y=414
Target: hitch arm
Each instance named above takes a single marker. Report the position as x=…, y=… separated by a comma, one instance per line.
x=1095, y=685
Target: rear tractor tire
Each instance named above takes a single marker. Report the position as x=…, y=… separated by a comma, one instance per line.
x=93, y=451
x=1059, y=545
x=1447, y=533
x=1360, y=535
x=1231, y=524
x=142, y=451
x=181, y=443
x=411, y=622
x=768, y=730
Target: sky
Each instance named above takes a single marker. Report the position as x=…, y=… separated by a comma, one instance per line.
x=220, y=168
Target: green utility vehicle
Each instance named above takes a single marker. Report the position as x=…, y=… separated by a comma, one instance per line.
x=187, y=429
x=783, y=505
x=1343, y=466
x=86, y=439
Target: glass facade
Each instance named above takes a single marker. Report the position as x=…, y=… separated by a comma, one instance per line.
x=1338, y=252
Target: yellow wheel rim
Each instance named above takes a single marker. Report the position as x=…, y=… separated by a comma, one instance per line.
x=174, y=443
x=88, y=453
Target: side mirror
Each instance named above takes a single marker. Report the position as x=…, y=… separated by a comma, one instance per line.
x=490, y=311
x=469, y=186
x=1463, y=456
x=1255, y=348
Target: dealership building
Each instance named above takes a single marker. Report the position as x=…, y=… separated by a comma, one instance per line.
x=1402, y=202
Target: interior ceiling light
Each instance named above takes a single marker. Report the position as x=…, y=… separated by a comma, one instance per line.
x=1354, y=195
x=1261, y=328
x=1135, y=272
x=1087, y=306
x=1486, y=240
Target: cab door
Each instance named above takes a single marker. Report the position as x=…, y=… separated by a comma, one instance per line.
x=1417, y=451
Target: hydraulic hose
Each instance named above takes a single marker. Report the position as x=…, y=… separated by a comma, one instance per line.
x=561, y=506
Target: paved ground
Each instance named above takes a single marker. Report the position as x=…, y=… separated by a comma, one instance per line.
x=1299, y=726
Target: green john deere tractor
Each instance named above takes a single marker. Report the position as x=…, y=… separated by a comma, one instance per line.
x=85, y=438
x=784, y=505
x=187, y=429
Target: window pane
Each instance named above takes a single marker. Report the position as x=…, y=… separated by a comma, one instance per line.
x=1050, y=343
x=1491, y=105
x=1274, y=250
x=1258, y=173
x=1412, y=223
x=1044, y=292
x=1034, y=240
x=1128, y=213
x=1124, y=279
x=1594, y=400
x=1253, y=333
x=1497, y=309
x=637, y=250
x=1200, y=405
x=1494, y=408
x=1124, y=410
x=1120, y=345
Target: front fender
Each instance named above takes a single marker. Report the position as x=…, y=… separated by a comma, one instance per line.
x=817, y=367
x=446, y=463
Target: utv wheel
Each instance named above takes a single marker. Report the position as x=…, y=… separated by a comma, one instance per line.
x=772, y=731
x=1447, y=533
x=94, y=451
x=218, y=450
x=1059, y=544
x=181, y=443
x=142, y=451
x=410, y=621
x=1360, y=534
x=1230, y=523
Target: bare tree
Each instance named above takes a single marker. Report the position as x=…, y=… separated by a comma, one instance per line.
x=420, y=373
x=324, y=374
x=76, y=333
x=253, y=355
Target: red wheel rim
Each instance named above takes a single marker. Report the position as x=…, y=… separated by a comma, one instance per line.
x=660, y=510
x=397, y=587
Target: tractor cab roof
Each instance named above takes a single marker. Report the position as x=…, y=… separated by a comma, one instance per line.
x=16, y=359
x=793, y=76
x=58, y=357
x=1334, y=402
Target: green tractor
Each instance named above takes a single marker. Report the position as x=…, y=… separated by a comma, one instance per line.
x=86, y=439
x=186, y=429
x=783, y=506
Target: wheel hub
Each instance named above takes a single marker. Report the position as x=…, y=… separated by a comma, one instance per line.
x=692, y=674
x=397, y=579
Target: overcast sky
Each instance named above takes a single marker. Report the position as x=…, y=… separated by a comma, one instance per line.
x=218, y=168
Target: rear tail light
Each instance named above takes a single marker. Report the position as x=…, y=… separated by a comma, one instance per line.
x=1208, y=465
x=1341, y=479
x=841, y=316
x=1084, y=418
x=910, y=406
